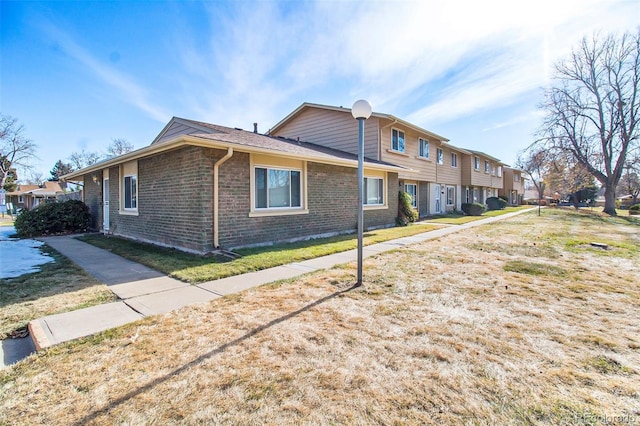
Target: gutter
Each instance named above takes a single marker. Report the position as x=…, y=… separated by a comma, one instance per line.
x=216, y=167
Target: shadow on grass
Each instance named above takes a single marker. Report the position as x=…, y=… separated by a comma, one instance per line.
x=220, y=349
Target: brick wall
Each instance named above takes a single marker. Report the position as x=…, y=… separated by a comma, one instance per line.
x=332, y=193
x=175, y=202
x=92, y=194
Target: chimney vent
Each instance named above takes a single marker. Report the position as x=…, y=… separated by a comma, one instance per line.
x=255, y=127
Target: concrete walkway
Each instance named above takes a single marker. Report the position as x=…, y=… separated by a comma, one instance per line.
x=145, y=292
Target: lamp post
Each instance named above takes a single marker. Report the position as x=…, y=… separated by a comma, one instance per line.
x=361, y=110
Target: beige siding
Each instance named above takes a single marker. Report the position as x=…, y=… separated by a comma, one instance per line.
x=447, y=174
x=175, y=130
x=333, y=129
x=426, y=168
x=479, y=178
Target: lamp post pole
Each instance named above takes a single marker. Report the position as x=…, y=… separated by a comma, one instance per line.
x=361, y=110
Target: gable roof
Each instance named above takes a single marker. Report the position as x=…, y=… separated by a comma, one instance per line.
x=480, y=153
x=221, y=137
x=49, y=188
x=307, y=105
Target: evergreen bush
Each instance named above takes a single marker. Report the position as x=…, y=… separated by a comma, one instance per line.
x=495, y=203
x=406, y=212
x=472, y=209
x=53, y=218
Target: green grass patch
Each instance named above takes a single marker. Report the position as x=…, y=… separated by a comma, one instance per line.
x=196, y=269
x=458, y=218
x=533, y=268
x=606, y=365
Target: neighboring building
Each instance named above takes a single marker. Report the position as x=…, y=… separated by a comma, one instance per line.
x=482, y=177
x=30, y=196
x=432, y=174
x=513, y=188
x=201, y=186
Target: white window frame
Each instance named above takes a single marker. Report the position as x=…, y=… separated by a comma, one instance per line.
x=440, y=156
x=380, y=186
x=516, y=177
x=398, y=147
x=21, y=199
x=423, y=148
x=451, y=190
x=476, y=163
x=133, y=193
x=499, y=171
x=413, y=193
x=486, y=166
x=268, y=169
x=467, y=195
x=454, y=159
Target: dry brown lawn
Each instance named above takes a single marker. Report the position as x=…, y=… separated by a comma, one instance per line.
x=518, y=322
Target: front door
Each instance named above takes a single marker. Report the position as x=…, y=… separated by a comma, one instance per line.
x=438, y=198
x=105, y=205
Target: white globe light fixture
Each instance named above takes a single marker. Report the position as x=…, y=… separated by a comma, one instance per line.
x=361, y=110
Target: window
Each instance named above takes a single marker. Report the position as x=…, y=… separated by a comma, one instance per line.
x=130, y=185
x=486, y=166
x=476, y=163
x=451, y=191
x=467, y=196
x=516, y=177
x=423, y=148
x=277, y=188
x=21, y=199
x=440, y=156
x=499, y=171
x=373, y=191
x=397, y=140
x=493, y=171
x=476, y=195
x=454, y=159
x=412, y=189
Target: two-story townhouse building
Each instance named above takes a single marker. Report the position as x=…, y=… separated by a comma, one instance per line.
x=433, y=166
x=482, y=177
x=513, y=188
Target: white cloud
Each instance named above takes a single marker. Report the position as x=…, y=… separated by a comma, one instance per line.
x=128, y=90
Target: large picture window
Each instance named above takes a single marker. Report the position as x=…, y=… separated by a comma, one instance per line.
x=130, y=185
x=451, y=193
x=277, y=188
x=397, y=140
x=373, y=191
x=412, y=189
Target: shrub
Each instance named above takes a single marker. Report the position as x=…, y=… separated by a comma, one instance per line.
x=634, y=209
x=406, y=212
x=472, y=209
x=495, y=203
x=53, y=218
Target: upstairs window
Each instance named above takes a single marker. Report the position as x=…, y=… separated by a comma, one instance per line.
x=486, y=166
x=277, y=188
x=397, y=140
x=440, y=156
x=516, y=177
x=499, y=171
x=423, y=148
x=476, y=163
x=454, y=159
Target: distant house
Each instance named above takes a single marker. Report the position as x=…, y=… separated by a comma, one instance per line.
x=513, y=185
x=432, y=166
x=482, y=177
x=30, y=196
x=201, y=186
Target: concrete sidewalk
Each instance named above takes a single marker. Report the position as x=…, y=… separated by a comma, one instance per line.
x=145, y=292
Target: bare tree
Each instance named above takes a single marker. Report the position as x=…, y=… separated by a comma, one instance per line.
x=630, y=180
x=82, y=159
x=592, y=109
x=16, y=150
x=537, y=165
x=118, y=147
x=35, y=178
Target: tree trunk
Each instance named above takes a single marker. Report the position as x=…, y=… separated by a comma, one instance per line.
x=610, y=200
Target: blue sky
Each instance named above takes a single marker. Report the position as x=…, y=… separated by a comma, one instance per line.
x=79, y=74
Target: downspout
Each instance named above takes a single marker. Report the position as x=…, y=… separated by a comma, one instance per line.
x=216, y=167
